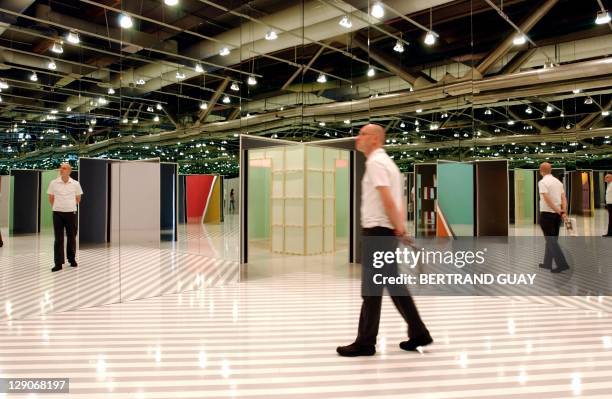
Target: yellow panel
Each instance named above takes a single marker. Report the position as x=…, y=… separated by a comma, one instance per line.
x=213, y=212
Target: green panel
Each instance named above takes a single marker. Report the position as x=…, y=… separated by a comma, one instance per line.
x=259, y=202
x=524, y=194
x=342, y=201
x=12, y=184
x=46, y=212
x=456, y=196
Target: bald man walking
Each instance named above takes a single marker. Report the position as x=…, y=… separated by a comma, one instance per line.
x=552, y=213
x=382, y=215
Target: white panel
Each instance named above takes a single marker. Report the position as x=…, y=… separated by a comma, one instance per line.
x=114, y=203
x=315, y=184
x=139, y=202
x=5, y=186
x=294, y=184
x=315, y=240
x=277, y=156
x=315, y=212
x=277, y=211
x=314, y=158
x=329, y=239
x=330, y=159
x=330, y=212
x=277, y=238
x=294, y=158
x=295, y=243
x=330, y=184
x=277, y=185
x=228, y=185
x=294, y=212
x=256, y=154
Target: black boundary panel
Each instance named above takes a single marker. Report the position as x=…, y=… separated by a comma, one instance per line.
x=26, y=201
x=182, y=206
x=512, y=202
x=93, y=209
x=221, y=181
x=244, y=197
x=492, y=198
x=167, y=197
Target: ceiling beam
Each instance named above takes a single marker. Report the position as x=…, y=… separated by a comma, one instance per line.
x=533, y=18
x=302, y=69
x=213, y=101
x=518, y=61
x=593, y=118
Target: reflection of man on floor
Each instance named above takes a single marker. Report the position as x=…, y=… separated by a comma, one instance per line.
x=382, y=215
x=608, y=180
x=552, y=213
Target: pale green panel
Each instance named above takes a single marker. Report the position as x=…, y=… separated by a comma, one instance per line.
x=46, y=212
x=259, y=202
x=456, y=196
x=314, y=159
x=315, y=184
x=342, y=201
x=294, y=158
x=524, y=196
x=277, y=156
x=294, y=184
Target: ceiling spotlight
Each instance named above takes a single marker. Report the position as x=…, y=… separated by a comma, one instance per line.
x=568, y=126
x=548, y=64
x=371, y=72
x=416, y=123
x=68, y=108
x=149, y=109
x=543, y=116
x=203, y=105
x=345, y=22
x=198, y=68
x=234, y=86
x=140, y=82
x=23, y=121
x=549, y=108
x=529, y=110
x=602, y=18
x=510, y=123
x=399, y=47
x=322, y=78
x=135, y=120
x=73, y=37
x=93, y=121
x=605, y=113
x=226, y=100
x=3, y=84
x=562, y=115
x=519, y=40
x=102, y=101
x=271, y=35
x=51, y=65
x=402, y=125
x=224, y=51
x=347, y=121
x=125, y=21
x=488, y=112
x=180, y=76
x=588, y=101
x=90, y=129
x=156, y=118
x=111, y=90
x=171, y=3
x=57, y=48
x=419, y=110
x=251, y=81
x=321, y=123
x=54, y=111
x=576, y=91
x=34, y=77
x=430, y=38
x=434, y=126
x=158, y=106
x=377, y=10
x=124, y=120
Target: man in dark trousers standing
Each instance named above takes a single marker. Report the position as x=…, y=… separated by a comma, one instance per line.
x=64, y=195
x=552, y=212
x=382, y=215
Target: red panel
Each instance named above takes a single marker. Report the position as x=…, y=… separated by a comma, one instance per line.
x=198, y=189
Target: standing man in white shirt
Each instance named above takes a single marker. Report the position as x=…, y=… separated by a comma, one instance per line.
x=382, y=215
x=553, y=206
x=64, y=195
x=608, y=180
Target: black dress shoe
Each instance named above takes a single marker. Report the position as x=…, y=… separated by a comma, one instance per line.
x=413, y=343
x=57, y=268
x=544, y=267
x=605, y=235
x=74, y=264
x=356, y=349
x=559, y=269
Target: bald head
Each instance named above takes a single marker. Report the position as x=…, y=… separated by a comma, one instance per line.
x=545, y=169
x=371, y=137
x=65, y=170
x=608, y=178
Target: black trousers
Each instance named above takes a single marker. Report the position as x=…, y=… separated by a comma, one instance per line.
x=64, y=221
x=609, y=208
x=551, y=223
x=369, y=318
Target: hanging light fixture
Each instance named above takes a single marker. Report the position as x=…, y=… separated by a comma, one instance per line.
x=588, y=101
x=576, y=91
x=605, y=113
x=180, y=75
x=198, y=68
x=322, y=78
x=371, y=72
x=529, y=110
x=53, y=111
x=93, y=121
x=345, y=22
x=226, y=100
x=549, y=108
x=125, y=21
x=111, y=90
x=203, y=105
x=488, y=111
x=124, y=120
x=57, y=48
x=149, y=109
x=135, y=120
x=603, y=17
x=519, y=40
x=3, y=84
x=34, y=77
x=171, y=3
x=156, y=118
x=430, y=38
x=51, y=65
x=140, y=82
x=158, y=106
x=378, y=11
x=234, y=86
x=251, y=81
x=224, y=51
x=73, y=37
x=271, y=35
x=68, y=108
x=399, y=47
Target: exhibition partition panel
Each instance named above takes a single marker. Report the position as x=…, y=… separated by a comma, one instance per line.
x=213, y=212
x=46, y=212
x=581, y=187
x=524, y=196
x=182, y=200
x=260, y=177
x=228, y=186
x=168, y=217
x=94, y=209
x=410, y=195
x=425, y=194
x=343, y=196
x=492, y=196
x=203, y=198
x=25, y=197
x=455, y=193
x=5, y=192
x=511, y=205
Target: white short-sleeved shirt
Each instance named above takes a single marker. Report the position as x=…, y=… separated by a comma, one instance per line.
x=609, y=194
x=554, y=188
x=380, y=171
x=65, y=194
